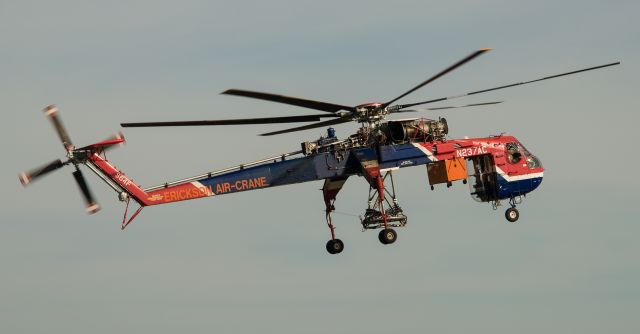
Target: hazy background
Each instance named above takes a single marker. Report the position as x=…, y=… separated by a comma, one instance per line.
x=256, y=262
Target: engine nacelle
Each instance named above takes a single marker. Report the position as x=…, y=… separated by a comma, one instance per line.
x=416, y=130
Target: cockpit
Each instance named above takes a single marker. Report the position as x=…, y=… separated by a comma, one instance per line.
x=516, y=152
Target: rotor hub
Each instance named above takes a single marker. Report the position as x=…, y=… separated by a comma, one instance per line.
x=370, y=112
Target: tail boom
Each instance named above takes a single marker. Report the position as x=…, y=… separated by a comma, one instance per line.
x=169, y=194
x=181, y=192
x=121, y=179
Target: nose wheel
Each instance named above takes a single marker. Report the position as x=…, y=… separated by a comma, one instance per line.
x=512, y=214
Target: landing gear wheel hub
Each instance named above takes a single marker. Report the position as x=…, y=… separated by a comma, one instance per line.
x=512, y=215
x=335, y=246
x=387, y=236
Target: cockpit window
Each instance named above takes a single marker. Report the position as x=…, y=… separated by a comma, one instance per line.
x=532, y=160
x=513, y=153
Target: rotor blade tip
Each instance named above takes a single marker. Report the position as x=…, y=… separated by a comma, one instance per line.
x=93, y=208
x=50, y=110
x=486, y=49
x=24, y=179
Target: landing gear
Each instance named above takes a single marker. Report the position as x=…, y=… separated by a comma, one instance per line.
x=512, y=214
x=335, y=246
x=330, y=191
x=383, y=211
x=387, y=236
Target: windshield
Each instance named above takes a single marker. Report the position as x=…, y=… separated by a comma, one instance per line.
x=532, y=160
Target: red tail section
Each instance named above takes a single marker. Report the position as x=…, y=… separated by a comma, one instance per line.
x=107, y=143
x=117, y=176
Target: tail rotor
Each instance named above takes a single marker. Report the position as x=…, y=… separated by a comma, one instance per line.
x=52, y=113
x=27, y=177
x=75, y=157
x=91, y=204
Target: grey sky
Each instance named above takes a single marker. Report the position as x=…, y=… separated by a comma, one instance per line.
x=256, y=261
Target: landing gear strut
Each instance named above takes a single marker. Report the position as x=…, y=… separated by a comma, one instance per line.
x=330, y=191
x=383, y=210
x=512, y=213
x=334, y=245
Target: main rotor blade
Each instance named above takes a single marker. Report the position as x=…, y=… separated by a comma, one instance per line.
x=27, y=177
x=433, y=78
x=51, y=112
x=266, y=120
x=296, y=101
x=452, y=107
x=401, y=106
x=91, y=204
x=310, y=126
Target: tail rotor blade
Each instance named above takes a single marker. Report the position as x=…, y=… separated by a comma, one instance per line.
x=92, y=205
x=27, y=177
x=52, y=113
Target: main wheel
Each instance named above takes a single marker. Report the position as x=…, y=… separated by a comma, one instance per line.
x=512, y=214
x=335, y=246
x=387, y=236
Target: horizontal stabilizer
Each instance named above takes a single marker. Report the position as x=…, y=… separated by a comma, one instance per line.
x=117, y=139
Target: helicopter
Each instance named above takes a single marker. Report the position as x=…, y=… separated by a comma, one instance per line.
x=496, y=168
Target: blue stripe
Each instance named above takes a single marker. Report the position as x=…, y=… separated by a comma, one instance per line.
x=508, y=189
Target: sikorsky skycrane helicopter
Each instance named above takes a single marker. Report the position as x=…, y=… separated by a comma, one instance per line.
x=497, y=168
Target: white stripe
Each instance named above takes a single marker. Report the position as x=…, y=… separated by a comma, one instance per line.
x=202, y=188
x=391, y=169
x=425, y=151
x=511, y=178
